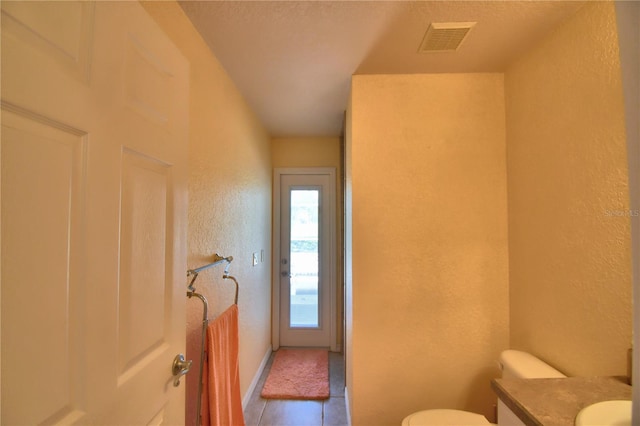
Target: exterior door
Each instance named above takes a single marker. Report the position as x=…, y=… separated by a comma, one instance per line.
x=307, y=258
x=94, y=136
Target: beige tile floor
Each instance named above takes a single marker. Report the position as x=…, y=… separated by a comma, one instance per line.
x=280, y=412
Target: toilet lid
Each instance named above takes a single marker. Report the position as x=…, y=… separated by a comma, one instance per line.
x=444, y=417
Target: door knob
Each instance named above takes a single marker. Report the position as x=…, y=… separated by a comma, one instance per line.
x=179, y=368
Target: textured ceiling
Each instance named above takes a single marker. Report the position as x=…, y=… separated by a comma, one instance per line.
x=293, y=60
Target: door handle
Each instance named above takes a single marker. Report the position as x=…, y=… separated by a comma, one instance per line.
x=179, y=368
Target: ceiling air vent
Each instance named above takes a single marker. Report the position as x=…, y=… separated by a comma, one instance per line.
x=445, y=36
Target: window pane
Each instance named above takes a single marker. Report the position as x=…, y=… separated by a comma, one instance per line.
x=304, y=258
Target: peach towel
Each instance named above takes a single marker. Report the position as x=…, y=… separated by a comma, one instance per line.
x=221, y=400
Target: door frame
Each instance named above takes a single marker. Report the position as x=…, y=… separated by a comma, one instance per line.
x=275, y=268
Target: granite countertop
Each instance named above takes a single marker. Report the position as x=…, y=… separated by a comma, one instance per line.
x=556, y=402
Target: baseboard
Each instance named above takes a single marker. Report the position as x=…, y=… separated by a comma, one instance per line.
x=346, y=404
x=256, y=378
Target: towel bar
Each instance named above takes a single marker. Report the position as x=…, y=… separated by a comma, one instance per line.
x=191, y=292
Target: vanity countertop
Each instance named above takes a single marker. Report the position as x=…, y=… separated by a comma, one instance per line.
x=556, y=402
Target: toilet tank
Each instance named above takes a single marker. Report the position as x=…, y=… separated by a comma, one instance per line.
x=521, y=365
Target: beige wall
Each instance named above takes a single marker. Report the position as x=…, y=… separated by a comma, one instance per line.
x=306, y=152
x=429, y=234
x=229, y=199
x=569, y=234
x=317, y=152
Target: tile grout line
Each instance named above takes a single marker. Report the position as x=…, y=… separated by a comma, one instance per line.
x=264, y=407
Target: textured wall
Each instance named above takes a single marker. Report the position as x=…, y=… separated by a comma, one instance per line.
x=229, y=199
x=429, y=259
x=569, y=234
x=306, y=152
x=317, y=152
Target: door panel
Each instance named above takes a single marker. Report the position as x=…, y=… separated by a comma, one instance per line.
x=148, y=80
x=95, y=117
x=59, y=31
x=42, y=272
x=143, y=260
x=307, y=259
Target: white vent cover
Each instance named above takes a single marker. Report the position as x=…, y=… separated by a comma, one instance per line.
x=445, y=36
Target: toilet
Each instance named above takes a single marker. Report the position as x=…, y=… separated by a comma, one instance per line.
x=514, y=364
x=444, y=417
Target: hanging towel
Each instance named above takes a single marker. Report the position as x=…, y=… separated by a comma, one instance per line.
x=221, y=401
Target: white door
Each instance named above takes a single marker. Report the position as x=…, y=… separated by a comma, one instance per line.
x=306, y=263
x=94, y=151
